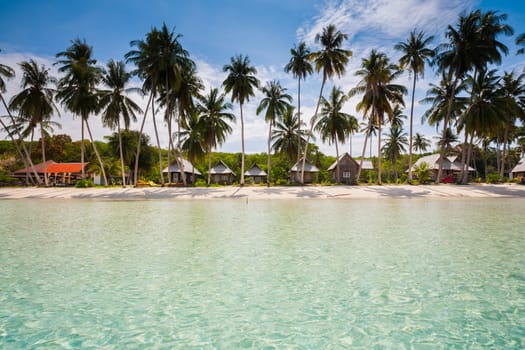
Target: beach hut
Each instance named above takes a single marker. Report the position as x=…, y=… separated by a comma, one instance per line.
x=310, y=172
x=451, y=170
x=58, y=174
x=519, y=170
x=348, y=168
x=221, y=174
x=174, y=173
x=255, y=174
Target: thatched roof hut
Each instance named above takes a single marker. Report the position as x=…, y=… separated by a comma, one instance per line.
x=310, y=172
x=255, y=173
x=221, y=174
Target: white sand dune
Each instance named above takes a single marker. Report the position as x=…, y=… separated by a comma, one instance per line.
x=278, y=192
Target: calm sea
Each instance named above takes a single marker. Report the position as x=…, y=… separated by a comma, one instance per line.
x=283, y=274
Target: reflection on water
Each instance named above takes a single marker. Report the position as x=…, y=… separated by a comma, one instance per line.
x=299, y=274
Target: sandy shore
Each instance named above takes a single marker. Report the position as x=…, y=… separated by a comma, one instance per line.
x=259, y=192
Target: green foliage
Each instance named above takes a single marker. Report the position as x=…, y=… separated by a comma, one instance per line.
x=423, y=172
x=492, y=178
x=200, y=183
x=85, y=183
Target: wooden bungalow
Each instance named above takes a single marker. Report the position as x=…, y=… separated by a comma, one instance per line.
x=174, y=173
x=348, y=168
x=310, y=172
x=519, y=170
x=255, y=174
x=58, y=174
x=452, y=167
x=221, y=174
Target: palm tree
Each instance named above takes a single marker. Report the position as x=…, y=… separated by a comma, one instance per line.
x=472, y=45
x=276, y=101
x=379, y=95
x=334, y=125
x=193, y=139
x=117, y=105
x=35, y=101
x=77, y=90
x=395, y=144
x=288, y=134
x=420, y=143
x=398, y=117
x=415, y=53
x=353, y=128
x=331, y=60
x=447, y=140
x=241, y=82
x=300, y=67
x=8, y=73
x=215, y=115
x=520, y=40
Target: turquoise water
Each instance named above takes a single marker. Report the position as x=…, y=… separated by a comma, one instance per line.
x=298, y=274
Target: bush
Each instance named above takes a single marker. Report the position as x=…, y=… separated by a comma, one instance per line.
x=200, y=183
x=423, y=172
x=492, y=178
x=85, y=183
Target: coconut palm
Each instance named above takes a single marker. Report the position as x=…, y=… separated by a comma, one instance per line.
x=116, y=105
x=334, y=125
x=275, y=102
x=193, y=139
x=300, y=67
x=77, y=89
x=215, y=115
x=331, y=59
x=520, y=41
x=288, y=134
x=447, y=140
x=398, y=117
x=380, y=94
x=8, y=73
x=241, y=83
x=353, y=128
x=35, y=101
x=420, y=143
x=395, y=143
x=415, y=53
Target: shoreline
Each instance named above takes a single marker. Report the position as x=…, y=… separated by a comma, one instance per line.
x=443, y=191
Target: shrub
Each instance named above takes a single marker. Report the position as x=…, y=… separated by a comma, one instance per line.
x=492, y=178
x=423, y=172
x=85, y=183
x=200, y=183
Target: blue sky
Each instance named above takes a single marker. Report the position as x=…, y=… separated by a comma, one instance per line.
x=213, y=31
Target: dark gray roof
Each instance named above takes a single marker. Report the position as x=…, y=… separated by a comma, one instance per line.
x=221, y=169
x=188, y=168
x=367, y=164
x=255, y=170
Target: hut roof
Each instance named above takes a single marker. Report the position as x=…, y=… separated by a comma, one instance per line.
x=308, y=167
x=520, y=167
x=188, y=168
x=255, y=170
x=367, y=164
x=221, y=169
x=449, y=163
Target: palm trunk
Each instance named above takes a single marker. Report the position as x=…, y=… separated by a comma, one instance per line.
x=28, y=162
x=209, y=164
x=485, y=162
x=367, y=134
x=338, y=177
x=312, y=122
x=158, y=142
x=97, y=154
x=43, y=145
x=411, y=129
x=299, y=116
x=394, y=165
x=445, y=127
x=242, y=147
x=464, y=165
x=268, y=177
x=82, y=150
x=136, y=170
x=180, y=161
x=379, y=122
x=504, y=152
x=170, y=143
x=121, y=154
x=469, y=156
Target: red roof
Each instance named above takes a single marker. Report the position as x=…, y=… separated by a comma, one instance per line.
x=65, y=167
x=39, y=168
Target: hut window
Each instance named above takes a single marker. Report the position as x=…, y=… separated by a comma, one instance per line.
x=347, y=174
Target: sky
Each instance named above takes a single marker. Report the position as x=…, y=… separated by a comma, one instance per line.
x=214, y=31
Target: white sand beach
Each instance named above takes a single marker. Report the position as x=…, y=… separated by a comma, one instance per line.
x=277, y=192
